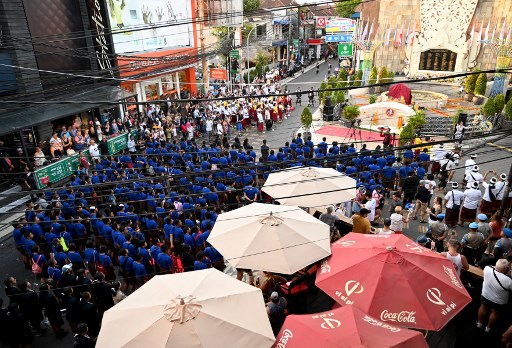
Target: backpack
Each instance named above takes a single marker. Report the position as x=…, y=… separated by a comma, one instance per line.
x=36, y=269
x=62, y=242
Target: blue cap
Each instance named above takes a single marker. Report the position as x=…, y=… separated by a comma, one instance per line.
x=473, y=225
x=421, y=239
x=440, y=216
x=507, y=232
x=482, y=217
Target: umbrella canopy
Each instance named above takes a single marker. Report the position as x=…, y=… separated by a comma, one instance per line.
x=193, y=309
x=273, y=238
x=400, y=90
x=310, y=187
x=393, y=279
x=343, y=328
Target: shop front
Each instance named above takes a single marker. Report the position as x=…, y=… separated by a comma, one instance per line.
x=170, y=74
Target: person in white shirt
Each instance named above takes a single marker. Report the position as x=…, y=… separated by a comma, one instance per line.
x=439, y=155
x=459, y=261
x=474, y=175
x=489, y=197
x=371, y=205
x=398, y=220
x=94, y=151
x=495, y=293
x=386, y=229
x=472, y=196
x=469, y=164
x=453, y=201
x=131, y=145
x=447, y=165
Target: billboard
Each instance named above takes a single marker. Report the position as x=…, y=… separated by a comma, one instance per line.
x=345, y=50
x=102, y=42
x=340, y=25
x=218, y=74
x=168, y=23
x=224, y=13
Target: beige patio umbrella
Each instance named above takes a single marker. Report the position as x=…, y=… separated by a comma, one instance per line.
x=310, y=187
x=193, y=309
x=267, y=237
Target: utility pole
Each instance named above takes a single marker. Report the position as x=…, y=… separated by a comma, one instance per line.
x=206, y=77
x=288, y=49
x=507, y=191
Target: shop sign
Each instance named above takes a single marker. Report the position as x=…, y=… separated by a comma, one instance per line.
x=345, y=50
x=102, y=42
x=218, y=74
x=340, y=25
x=57, y=171
x=119, y=143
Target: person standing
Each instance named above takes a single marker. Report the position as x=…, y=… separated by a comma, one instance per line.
x=452, y=202
x=490, y=196
x=495, y=294
x=459, y=261
x=439, y=232
x=276, y=312
x=265, y=150
x=472, y=196
x=422, y=202
x=469, y=164
x=410, y=187
x=471, y=243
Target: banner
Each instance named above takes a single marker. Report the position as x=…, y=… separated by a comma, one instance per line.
x=119, y=143
x=345, y=50
x=234, y=56
x=218, y=74
x=340, y=25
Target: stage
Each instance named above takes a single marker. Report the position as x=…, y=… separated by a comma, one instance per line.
x=344, y=135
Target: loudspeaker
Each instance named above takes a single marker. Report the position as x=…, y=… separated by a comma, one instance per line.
x=328, y=101
x=463, y=117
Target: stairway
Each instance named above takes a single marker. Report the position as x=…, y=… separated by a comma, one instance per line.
x=437, y=125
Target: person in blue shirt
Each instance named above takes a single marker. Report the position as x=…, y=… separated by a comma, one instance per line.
x=146, y=259
x=139, y=271
x=54, y=272
x=105, y=264
x=40, y=259
x=202, y=262
x=164, y=260
x=75, y=258
x=215, y=257
x=126, y=269
x=29, y=242
x=91, y=257
x=251, y=193
x=60, y=256
x=127, y=244
x=408, y=156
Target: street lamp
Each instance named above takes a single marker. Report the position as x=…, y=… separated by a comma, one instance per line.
x=248, y=54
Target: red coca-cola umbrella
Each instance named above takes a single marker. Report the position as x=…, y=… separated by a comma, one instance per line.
x=394, y=280
x=344, y=327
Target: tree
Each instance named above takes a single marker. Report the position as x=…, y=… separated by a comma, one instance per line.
x=470, y=83
x=383, y=74
x=455, y=118
x=508, y=109
x=489, y=108
x=373, y=76
x=343, y=74
x=418, y=120
x=306, y=118
x=261, y=58
x=499, y=103
x=407, y=134
x=351, y=112
x=323, y=93
x=251, y=5
x=345, y=9
x=373, y=99
x=481, y=84
x=359, y=78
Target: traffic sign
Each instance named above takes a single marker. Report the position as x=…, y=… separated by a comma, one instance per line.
x=320, y=22
x=338, y=38
x=345, y=50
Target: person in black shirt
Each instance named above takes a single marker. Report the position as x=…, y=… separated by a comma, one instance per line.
x=11, y=289
x=410, y=187
x=187, y=259
x=52, y=310
x=18, y=327
x=422, y=201
x=265, y=150
x=82, y=339
x=102, y=294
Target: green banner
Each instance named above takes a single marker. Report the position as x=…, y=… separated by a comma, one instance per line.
x=68, y=166
x=345, y=50
x=234, y=54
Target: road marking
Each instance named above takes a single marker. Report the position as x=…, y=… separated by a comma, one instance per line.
x=501, y=147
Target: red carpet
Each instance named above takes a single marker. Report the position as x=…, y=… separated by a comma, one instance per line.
x=338, y=131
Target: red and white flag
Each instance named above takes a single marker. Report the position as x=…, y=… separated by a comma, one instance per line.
x=503, y=28
x=486, y=37
x=400, y=37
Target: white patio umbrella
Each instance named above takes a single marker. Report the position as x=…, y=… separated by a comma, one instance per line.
x=274, y=238
x=310, y=187
x=193, y=309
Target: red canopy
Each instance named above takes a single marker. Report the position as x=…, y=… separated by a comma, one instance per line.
x=344, y=327
x=393, y=279
x=400, y=90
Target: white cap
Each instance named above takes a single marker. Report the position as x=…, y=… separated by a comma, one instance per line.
x=455, y=185
x=476, y=168
x=493, y=181
x=474, y=185
x=503, y=176
x=474, y=156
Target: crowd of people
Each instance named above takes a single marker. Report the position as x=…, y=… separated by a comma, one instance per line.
x=150, y=209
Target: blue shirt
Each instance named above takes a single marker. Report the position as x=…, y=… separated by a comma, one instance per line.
x=164, y=261
x=139, y=270
x=75, y=257
x=127, y=262
x=198, y=265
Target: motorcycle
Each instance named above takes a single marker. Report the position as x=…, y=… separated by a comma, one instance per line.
x=311, y=101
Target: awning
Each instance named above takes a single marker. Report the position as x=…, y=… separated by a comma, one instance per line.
x=15, y=120
x=355, y=15
x=282, y=21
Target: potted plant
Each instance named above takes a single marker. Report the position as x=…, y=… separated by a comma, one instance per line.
x=383, y=78
x=343, y=75
x=480, y=87
x=359, y=78
x=407, y=135
x=469, y=87
x=455, y=118
x=350, y=113
x=306, y=119
x=323, y=93
x=372, y=79
x=489, y=107
x=417, y=120
x=499, y=103
x=507, y=123
x=373, y=99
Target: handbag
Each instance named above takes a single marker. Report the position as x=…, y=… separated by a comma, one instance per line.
x=455, y=206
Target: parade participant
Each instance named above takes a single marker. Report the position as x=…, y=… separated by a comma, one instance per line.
x=453, y=201
x=472, y=196
x=469, y=164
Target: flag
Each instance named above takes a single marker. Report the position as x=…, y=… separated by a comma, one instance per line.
x=407, y=34
x=401, y=35
x=413, y=32
x=509, y=34
x=479, y=36
x=384, y=28
x=396, y=30
x=494, y=31
x=359, y=29
x=503, y=28
x=486, y=37
x=388, y=39
x=472, y=35
x=371, y=31
x=365, y=31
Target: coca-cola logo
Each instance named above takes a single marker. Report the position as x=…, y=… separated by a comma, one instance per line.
x=453, y=278
x=416, y=247
x=375, y=322
x=285, y=337
x=330, y=324
x=399, y=317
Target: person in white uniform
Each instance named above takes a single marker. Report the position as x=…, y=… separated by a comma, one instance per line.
x=473, y=176
x=469, y=164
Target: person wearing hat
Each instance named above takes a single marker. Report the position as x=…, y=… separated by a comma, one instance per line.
x=424, y=241
x=439, y=232
x=453, y=201
x=472, y=196
x=447, y=165
x=473, y=176
x=483, y=225
x=489, y=198
x=500, y=186
x=459, y=261
x=503, y=247
x=439, y=155
x=276, y=311
x=471, y=243
x=360, y=222
x=469, y=164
